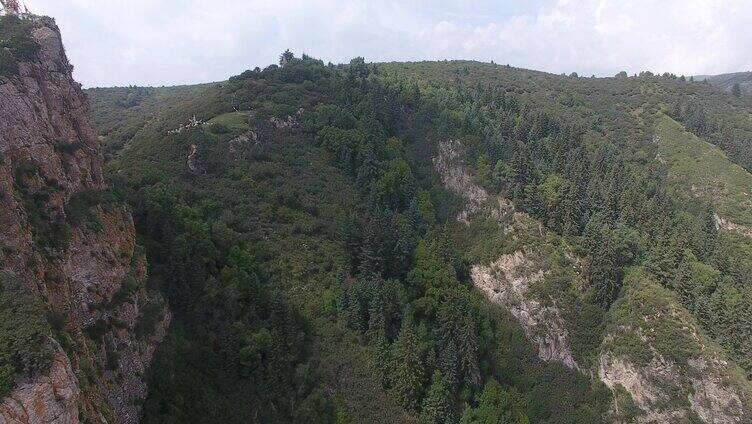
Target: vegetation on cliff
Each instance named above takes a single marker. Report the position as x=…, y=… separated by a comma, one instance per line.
x=16, y=43
x=23, y=334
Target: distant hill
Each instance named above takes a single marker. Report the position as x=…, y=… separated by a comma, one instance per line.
x=726, y=81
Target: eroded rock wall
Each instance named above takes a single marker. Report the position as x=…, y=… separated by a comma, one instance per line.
x=73, y=246
x=507, y=280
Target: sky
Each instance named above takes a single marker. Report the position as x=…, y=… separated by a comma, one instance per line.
x=172, y=42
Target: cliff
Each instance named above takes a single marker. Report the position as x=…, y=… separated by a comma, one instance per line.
x=70, y=242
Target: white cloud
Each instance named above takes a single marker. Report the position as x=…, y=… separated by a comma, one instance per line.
x=117, y=42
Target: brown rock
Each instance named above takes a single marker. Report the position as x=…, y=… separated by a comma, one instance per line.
x=50, y=154
x=51, y=398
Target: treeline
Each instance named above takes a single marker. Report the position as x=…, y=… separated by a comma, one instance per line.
x=728, y=135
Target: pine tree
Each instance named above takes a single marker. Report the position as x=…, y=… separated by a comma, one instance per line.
x=407, y=367
x=494, y=406
x=370, y=258
x=604, y=272
x=437, y=406
x=350, y=233
x=368, y=170
x=377, y=338
x=401, y=249
x=415, y=218
x=662, y=258
x=469, y=352
x=709, y=236
x=604, y=277
x=683, y=285
x=458, y=358
x=285, y=57
x=448, y=362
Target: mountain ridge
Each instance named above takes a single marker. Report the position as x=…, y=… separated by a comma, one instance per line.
x=728, y=81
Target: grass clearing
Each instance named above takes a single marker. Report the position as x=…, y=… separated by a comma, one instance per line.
x=236, y=121
x=700, y=170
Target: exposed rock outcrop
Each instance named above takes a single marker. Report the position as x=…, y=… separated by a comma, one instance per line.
x=665, y=391
x=236, y=144
x=639, y=382
x=455, y=177
x=655, y=351
x=507, y=280
x=72, y=246
x=51, y=398
x=289, y=122
x=191, y=159
x=724, y=224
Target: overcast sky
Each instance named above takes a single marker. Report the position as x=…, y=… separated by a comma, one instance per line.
x=168, y=42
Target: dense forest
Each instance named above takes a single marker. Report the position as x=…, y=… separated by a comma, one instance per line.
x=311, y=255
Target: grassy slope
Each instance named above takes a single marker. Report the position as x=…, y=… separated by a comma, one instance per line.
x=232, y=120
x=121, y=112
x=701, y=170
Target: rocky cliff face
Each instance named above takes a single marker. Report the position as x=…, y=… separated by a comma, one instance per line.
x=48, y=398
x=73, y=245
x=506, y=282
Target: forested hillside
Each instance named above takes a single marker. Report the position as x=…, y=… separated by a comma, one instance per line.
x=441, y=242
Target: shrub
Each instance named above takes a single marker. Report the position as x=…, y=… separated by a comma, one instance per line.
x=15, y=43
x=23, y=332
x=67, y=147
x=24, y=169
x=129, y=286
x=97, y=330
x=150, y=316
x=8, y=65
x=80, y=207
